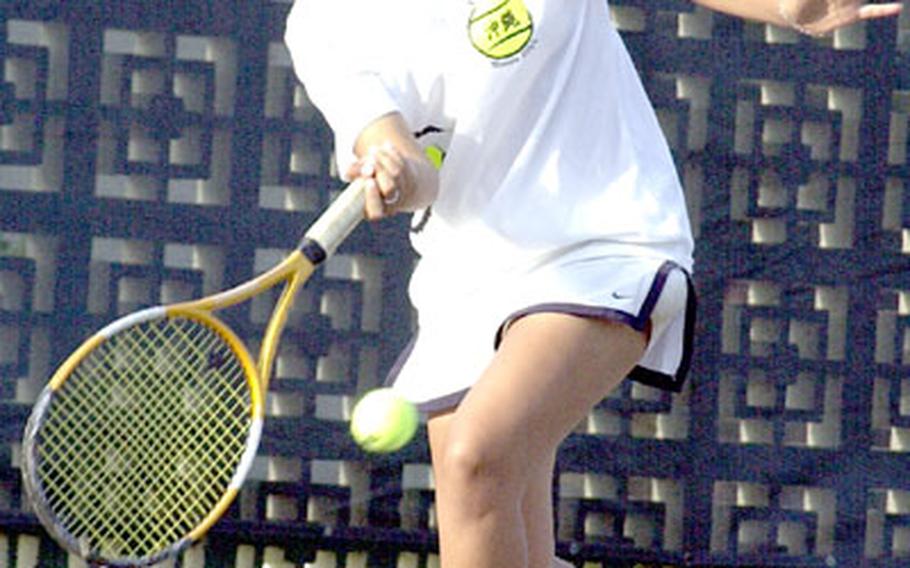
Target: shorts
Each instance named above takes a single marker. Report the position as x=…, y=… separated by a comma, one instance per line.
x=457, y=339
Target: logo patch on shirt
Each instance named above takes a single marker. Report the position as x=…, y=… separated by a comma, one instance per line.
x=500, y=29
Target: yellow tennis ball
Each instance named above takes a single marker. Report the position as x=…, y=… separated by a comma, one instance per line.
x=383, y=421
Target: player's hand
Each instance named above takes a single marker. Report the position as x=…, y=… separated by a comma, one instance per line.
x=819, y=17
x=394, y=181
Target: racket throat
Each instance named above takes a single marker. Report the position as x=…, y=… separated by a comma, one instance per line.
x=276, y=325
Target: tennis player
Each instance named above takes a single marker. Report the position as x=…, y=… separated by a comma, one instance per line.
x=555, y=249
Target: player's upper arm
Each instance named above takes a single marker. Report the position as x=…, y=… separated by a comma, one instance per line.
x=339, y=60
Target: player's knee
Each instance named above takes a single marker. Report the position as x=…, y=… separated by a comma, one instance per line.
x=472, y=466
x=464, y=462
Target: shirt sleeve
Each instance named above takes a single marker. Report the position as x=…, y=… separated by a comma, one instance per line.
x=338, y=54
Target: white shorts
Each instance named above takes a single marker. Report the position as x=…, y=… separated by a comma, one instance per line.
x=456, y=341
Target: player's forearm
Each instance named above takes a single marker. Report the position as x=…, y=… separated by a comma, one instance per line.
x=814, y=17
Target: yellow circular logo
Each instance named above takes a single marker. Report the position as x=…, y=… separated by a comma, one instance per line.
x=500, y=29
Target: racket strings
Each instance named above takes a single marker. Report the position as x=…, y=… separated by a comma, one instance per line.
x=155, y=434
x=145, y=437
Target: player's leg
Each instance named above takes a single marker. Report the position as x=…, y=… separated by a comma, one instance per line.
x=510, y=538
x=547, y=374
x=537, y=513
x=536, y=504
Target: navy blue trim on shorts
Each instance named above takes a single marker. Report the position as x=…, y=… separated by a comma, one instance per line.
x=674, y=383
x=443, y=402
x=430, y=406
x=638, y=322
x=400, y=361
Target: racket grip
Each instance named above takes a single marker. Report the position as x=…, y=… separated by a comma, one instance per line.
x=337, y=222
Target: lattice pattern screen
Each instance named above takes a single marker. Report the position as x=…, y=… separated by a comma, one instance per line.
x=153, y=151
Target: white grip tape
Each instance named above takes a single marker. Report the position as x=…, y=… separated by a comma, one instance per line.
x=341, y=217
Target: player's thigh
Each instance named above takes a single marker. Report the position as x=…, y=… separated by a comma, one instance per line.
x=548, y=372
x=437, y=430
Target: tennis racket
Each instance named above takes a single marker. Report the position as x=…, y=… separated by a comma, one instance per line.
x=144, y=435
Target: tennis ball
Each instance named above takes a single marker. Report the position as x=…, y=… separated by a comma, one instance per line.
x=383, y=421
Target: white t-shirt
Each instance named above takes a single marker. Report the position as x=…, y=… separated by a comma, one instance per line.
x=552, y=147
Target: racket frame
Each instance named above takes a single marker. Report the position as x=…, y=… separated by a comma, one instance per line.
x=319, y=242
x=34, y=485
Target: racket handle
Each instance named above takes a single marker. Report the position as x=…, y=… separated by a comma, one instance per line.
x=337, y=222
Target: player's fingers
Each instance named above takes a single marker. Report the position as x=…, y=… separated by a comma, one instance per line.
x=380, y=167
x=873, y=11
x=367, y=165
x=391, y=174
x=390, y=158
x=373, y=205
x=368, y=170
x=388, y=185
x=353, y=171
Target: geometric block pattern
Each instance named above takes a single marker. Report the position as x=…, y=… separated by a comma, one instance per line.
x=165, y=131
x=751, y=519
x=888, y=524
x=32, y=121
x=153, y=152
x=783, y=381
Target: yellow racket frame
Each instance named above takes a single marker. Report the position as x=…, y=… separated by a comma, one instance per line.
x=319, y=242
